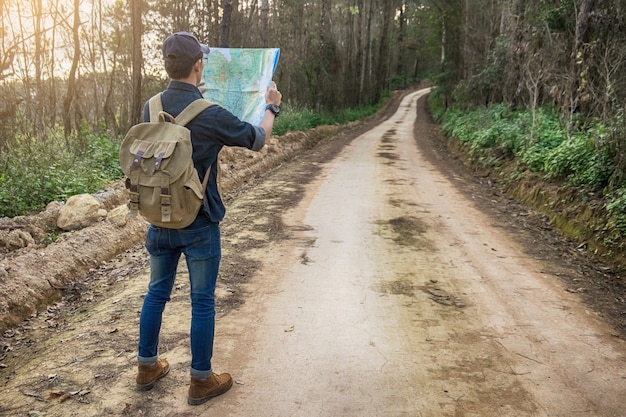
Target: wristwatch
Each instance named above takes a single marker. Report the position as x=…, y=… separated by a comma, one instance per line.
x=274, y=108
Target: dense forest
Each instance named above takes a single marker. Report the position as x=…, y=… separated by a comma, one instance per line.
x=83, y=68
x=91, y=63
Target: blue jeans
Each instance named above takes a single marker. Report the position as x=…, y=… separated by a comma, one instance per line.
x=200, y=242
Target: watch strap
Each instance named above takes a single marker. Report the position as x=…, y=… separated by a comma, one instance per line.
x=274, y=108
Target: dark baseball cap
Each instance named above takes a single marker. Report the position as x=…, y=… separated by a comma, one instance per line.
x=182, y=46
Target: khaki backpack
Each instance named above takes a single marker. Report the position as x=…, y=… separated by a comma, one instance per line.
x=156, y=158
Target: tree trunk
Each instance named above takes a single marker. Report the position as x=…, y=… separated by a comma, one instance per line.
x=109, y=112
x=383, y=48
x=53, y=85
x=325, y=55
x=71, y=82
x=225, y=25
x=366, y=47
x=578, y=58
x=400, y=44
x=38, y=96
x=444, y=39
x=265, y=27
x=136, y=109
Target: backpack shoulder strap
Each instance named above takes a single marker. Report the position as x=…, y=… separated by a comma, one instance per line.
x=192, y=110
x=155, y=105
x=187, y=115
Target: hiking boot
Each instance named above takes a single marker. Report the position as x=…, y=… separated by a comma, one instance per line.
x=149, y=374
x=202, y=391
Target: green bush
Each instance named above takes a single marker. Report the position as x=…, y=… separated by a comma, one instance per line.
x=589, y=158
x=436, y=105
x=540, y=142
x=460, y=125
x=37, y=170
x=539, y=136
x=293, y=118
x=483, y=129
x=581, y=160
x=569, y=157
x=515, y=133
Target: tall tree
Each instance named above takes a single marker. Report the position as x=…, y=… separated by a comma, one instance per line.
x=136, y=107
x=265, y=25
x=326, y=59
x=225, y=25
x=38, y=113
x=367, y=11
x=382, y=68
x=70, y=95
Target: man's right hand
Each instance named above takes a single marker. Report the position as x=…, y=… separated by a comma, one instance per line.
x=272, y=95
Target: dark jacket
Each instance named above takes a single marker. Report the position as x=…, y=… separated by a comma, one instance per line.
x=211, y=130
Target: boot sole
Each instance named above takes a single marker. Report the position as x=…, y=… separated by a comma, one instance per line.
x=198, y=401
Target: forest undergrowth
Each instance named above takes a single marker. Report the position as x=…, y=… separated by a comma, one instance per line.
x=569, y=172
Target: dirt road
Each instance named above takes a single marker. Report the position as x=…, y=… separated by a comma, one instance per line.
x=358, y=281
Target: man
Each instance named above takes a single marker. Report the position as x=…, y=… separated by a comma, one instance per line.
x=212, y=129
